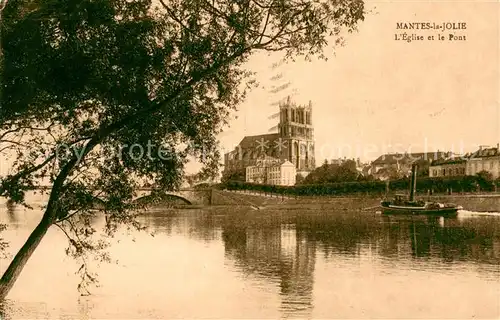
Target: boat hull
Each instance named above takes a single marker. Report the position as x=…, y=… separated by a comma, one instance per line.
x=447, y=211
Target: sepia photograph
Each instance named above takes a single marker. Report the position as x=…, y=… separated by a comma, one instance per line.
x=249, y=159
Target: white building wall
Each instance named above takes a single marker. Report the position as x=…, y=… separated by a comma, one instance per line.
x=272, y=173
x=492, y=165
x=288, y=175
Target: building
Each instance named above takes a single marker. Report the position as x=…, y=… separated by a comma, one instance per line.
x=362, y=168
x=485, y=159
x=400, y=163
x=294, y=142
x=250, y=150
x=283, y=174
x=271, y=171
x=296, y=129
x=451, y=167
x=257, y=173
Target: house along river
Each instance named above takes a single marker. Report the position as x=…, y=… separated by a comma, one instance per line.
x=270, y=263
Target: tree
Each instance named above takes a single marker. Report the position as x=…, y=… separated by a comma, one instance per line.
x=99, y=96
x=367, y=177
x=485, y=180
x=485, y=176
x=394, y=174
x=191, y=179
x=422, y=168
x=299, y=179
x=233, y=175
x=331, y=173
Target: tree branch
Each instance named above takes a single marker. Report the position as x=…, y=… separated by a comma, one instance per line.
x=279, y=33
x=265, y=25
x=176, y=19
x=23, y=128
x=104, y=131
x=14, y=142
x=78, y=210
x=214, y=11
x=29, y=171
x=64, y=231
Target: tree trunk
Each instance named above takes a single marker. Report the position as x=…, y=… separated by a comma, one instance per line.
x=16, y=266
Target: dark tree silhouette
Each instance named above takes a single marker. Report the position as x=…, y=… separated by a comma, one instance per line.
x=233, y=175
x=331, y=173
x=99, y=96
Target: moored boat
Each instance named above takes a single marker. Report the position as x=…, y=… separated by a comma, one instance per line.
x=400, y=205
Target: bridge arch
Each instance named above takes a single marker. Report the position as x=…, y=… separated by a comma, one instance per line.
x=165, y=197
x=186, y=196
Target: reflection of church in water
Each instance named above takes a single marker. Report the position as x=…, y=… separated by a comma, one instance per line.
x=277, y=254
x=294, y=141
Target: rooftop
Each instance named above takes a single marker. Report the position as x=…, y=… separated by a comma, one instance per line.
x=454, y=160
x=485, y=152
x=254, y=141
x=394, y=158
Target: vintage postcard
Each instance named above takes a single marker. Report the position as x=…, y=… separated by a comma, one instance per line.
x=249, y=159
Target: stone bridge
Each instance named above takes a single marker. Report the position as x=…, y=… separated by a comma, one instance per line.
x=186, y=196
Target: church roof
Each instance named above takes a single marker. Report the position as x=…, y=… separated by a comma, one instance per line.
x=253, y=141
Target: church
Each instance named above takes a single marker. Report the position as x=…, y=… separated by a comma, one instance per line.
x=294, y=142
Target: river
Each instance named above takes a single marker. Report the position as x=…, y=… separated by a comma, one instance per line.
x=243, y=263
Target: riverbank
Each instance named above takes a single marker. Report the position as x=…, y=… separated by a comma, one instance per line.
x=254, y=200
x=487, y=202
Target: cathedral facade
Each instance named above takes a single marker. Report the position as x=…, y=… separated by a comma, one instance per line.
x=294, y=142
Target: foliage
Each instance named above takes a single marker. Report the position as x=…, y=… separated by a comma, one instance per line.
x=391, y=173
x=485, y=176
x=100, y=96
x=299, y=179
x=332, y=173
x=233, y=175
x=190, y=179
x=368, y=177
x=422, y=168
x=3, y=244
x=203, y=185
x=310, y=189
x=440, y=185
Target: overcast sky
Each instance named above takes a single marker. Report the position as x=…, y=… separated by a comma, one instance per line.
x=380, y=95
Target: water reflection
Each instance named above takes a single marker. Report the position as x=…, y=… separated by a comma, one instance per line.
x=402, y=238
x=318, y=263
x=196, y=224
x=11, y=210
x=282, y=248
x=282, y=255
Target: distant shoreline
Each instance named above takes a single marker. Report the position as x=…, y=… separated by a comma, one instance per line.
x=490, y=194
x=257, y=200
x=483, y=202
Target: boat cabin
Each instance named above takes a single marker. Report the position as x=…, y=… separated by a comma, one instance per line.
x=400, y=199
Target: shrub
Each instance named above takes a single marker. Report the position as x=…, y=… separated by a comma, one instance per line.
x=438, y=184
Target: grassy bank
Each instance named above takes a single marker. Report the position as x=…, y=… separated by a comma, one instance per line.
x=484, y=202
x=440, y=185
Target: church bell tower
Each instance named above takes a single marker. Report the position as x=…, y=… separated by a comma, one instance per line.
x=296, y=130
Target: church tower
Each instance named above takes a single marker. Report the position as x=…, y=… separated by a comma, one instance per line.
x=296, y=130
